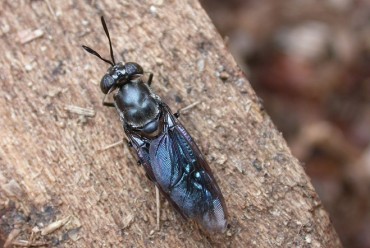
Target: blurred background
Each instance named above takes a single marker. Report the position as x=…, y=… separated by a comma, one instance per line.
x=309, y=63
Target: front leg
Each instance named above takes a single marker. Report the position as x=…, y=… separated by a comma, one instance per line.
x=149, y=82
x=107, y=104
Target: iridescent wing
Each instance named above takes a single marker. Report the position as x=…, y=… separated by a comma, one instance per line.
x=174, y=162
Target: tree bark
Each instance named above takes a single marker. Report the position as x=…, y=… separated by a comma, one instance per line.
x=57, y=188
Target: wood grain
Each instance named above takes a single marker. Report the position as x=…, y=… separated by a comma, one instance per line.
x=52, y=171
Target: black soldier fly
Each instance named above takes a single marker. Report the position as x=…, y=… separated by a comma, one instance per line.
x=169, y=155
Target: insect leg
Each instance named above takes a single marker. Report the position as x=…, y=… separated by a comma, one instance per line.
x=177, y=114
x=158, y=207
x=111, y=145
x=129, y=144
x=149, y=82
x=107, y=104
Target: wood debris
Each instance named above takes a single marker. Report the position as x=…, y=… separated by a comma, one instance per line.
x=184, y=110
x=54, y=226
x=80, y=111
x=29, y=35
x=12, y=235
x=128, y=220
x=26, y=243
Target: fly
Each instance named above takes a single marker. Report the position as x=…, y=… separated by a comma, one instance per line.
x=169, y=155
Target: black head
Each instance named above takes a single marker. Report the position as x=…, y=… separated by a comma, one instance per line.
x=119, y=73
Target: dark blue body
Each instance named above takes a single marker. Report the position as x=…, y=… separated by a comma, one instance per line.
x=169, y=155
x=173, y=161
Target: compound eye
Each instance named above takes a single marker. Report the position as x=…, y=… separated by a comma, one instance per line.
x=133, y=69
x=106, y=83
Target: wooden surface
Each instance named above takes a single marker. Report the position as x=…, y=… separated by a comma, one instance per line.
x=53, y=173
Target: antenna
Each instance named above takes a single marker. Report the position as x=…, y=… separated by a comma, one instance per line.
x=107, y=33
x=93, y=52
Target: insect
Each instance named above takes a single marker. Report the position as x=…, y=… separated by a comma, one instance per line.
x=169, y=155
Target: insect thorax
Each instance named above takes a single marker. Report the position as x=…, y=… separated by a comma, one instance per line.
x=136, y=104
